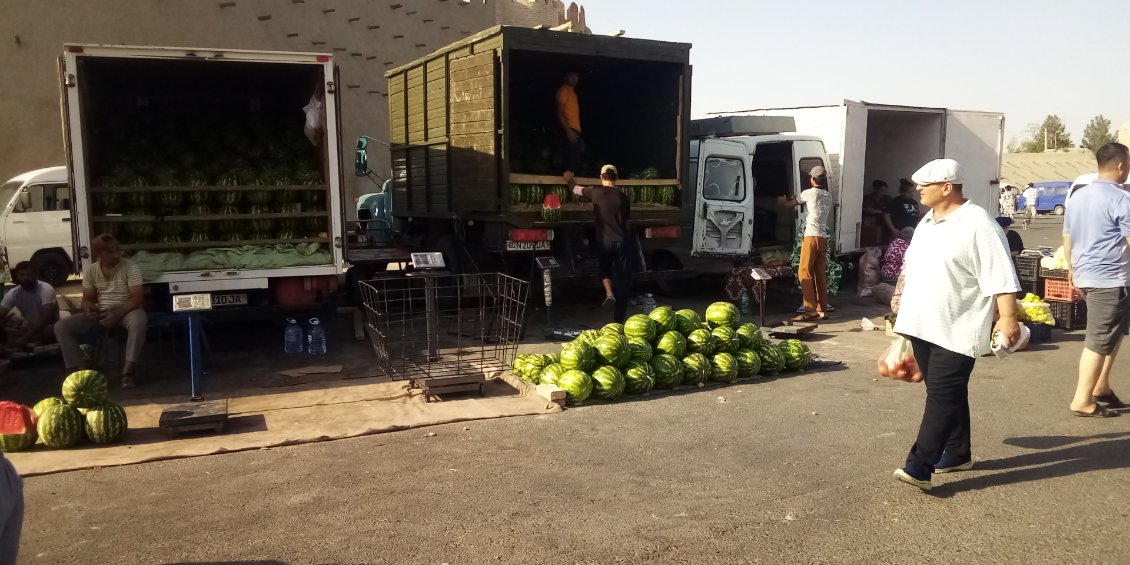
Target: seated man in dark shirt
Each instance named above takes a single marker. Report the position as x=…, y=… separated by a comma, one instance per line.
x=1015, y=244
x=902, y=211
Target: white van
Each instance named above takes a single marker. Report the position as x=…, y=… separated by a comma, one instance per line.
x=35, y=223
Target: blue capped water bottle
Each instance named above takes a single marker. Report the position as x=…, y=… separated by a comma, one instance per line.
x=316, y=338
x=293, y=338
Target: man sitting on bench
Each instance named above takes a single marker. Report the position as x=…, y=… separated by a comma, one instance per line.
x=111, y=298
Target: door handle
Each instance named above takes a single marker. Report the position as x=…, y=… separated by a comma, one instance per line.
x=67, y=220
x=18, y=222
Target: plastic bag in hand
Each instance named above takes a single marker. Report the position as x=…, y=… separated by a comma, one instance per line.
x=898, y=362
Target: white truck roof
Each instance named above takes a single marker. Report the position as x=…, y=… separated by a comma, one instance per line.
x=48, y=174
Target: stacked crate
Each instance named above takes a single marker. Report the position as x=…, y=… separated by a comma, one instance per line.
x=1067, y=305
x=1028, y=272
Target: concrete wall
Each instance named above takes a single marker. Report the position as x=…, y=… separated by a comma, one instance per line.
x=366, y=37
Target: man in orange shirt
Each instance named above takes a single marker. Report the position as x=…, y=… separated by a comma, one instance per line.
x=569, y=117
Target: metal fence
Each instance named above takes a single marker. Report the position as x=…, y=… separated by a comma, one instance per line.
x=425, y=325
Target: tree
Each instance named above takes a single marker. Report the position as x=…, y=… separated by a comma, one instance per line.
x=1050, y=135
x=1097, y=133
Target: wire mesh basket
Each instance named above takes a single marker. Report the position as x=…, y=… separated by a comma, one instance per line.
x=432, y=326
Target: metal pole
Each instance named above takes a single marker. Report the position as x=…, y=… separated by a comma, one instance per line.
x=431, y=315
x=194, y=358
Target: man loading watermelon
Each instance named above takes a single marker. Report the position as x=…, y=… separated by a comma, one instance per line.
x=611, y=207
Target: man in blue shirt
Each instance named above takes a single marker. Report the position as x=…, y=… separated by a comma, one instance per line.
x=1096, y=243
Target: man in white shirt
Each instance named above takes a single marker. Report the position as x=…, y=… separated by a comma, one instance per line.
x=813, y=271
x=1030, y=196
x=38, y=309
x=957, y=277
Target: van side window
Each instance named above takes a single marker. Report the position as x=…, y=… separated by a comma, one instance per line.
x=30, y=200
x=806, y=164
x=57, y=198
x=723, y=179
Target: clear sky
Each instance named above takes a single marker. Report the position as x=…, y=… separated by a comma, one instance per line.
x=1026, y=59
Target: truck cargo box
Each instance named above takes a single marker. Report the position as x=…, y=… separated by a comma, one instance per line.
x=474, y=130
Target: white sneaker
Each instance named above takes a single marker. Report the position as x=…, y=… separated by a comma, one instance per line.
x=906, y=478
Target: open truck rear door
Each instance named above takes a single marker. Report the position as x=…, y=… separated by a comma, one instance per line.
x=723, y=222
x=849, y=194
x=976, y=140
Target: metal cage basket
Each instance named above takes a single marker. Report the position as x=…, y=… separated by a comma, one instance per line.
x=438, y=325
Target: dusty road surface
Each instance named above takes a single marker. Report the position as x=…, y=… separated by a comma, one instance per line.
x=795, y=469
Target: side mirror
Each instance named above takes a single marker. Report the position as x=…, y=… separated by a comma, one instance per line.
x=364, y=215
x=361, y=158
x=25, y=201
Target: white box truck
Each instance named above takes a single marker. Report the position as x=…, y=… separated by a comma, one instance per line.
x=867, y=141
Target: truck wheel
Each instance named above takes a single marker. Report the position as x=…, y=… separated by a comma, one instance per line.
x=1059, y=210
x=53, y=267
x=674, y=287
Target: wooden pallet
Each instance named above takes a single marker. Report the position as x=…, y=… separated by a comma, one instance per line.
x=435, y=386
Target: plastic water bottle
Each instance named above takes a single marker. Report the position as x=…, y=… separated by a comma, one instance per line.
x=293, y=338
x=316, y=338
x=747, y=303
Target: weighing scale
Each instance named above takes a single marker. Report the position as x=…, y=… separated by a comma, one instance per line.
x=197, y=415
x=547, y=264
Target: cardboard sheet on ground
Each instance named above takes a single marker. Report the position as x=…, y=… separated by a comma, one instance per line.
x=321, y=413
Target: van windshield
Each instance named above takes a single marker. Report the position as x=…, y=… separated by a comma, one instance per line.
x=7, y=191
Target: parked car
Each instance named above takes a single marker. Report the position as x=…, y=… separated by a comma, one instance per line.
x=35, y=219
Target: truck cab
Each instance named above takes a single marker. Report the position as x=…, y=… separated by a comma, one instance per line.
x=35, y=223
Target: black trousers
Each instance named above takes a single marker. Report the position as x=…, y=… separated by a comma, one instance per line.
x=945, y=422
x=615, y=264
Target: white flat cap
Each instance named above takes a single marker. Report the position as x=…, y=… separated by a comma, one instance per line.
x=938, y=170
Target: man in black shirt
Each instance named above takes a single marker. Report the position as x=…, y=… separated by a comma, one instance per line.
x=902, y=211
x=611, y=207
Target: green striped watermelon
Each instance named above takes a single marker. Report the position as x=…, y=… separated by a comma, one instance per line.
x=668, y=370
x=47, y=403
x=687, y=321
x=515, y=194
x=664, y=319
x=796, y=353
x=723, y=314
x=640, y=326
x=105, y=423
x=724, y=368
x=749, y=363
x=551, y=214
x=61, y=426
x=612, y=349
x=589, y=336
x=84, y=389
x=577, y=386
x=667, y=195
x=608, y=383
x=772, y=360
x=551, y=373
x=578, y=355
x=638, y=378
x=726, y=339
x=701, y=341
x=613, y=328
x=17, y=427
x=696, y=369
x=750, y=335
x=672, y=343
x=641, y=349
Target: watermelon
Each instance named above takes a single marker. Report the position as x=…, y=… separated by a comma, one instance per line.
x=138, y=199
x=687, y=321
x=772, y=360
x=551, y=373
x=105, y=423
x=723, y=314
x=613, y=328
x=549, y=214
x=17, y=427
x=608, y=383
x=701, y=341
x=258, y=223
x=515, y=194
x=630, y=192
x=139, y=231
x=589, y=336
x=169, y=229
x=84, y=389
x=640, y=326
x=612, y=349
x=749, y=363
x=724, y=368
x=232, y=224
x=796, y=353
x=668, y=370
x=259, y=197
x=47, y=403
x=696, y=368
x=672, y=343
x=664, y=319
x=725, y=339
x=750, y=336
x=107, y=202
x=61, y=426
x=578, y=355
x=532, y=367
x=649, y=173
x=667, y=195
x=641, y=349
x=577, y=386
x=199, y=236
x=638, y=378
x=170, y=202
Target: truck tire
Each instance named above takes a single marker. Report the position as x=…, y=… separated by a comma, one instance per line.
x=53, y=267
x=1059, y=210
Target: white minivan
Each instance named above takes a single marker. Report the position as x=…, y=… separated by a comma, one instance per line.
x=35, y=223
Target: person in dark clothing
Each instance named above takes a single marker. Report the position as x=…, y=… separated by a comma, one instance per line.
x=1015, y=243
x=569, y=118
x=611, y=207
x=902, y=211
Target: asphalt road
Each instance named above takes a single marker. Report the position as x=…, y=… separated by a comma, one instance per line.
x=789, y=470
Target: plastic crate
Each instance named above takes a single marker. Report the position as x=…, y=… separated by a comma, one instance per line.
x=1041, y=333
x=1069, y=315
x=1027, y=268
x=1033, y=287
x=1060, y=289
x=1053, y=273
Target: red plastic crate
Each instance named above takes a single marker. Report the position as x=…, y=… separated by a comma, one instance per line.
x=1061, y=289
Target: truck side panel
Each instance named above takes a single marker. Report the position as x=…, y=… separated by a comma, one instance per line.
x=975, y=139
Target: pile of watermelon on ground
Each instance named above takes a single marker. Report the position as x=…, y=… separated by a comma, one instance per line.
x=83, y=413
x=662, y=350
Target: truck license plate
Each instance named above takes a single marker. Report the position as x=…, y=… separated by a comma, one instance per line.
x=229, y=300
x=527, y=245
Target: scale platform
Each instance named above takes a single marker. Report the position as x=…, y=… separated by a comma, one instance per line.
x=789, y=329
x=207, y=416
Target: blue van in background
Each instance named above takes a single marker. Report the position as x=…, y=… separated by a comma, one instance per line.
x=1051, y=197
